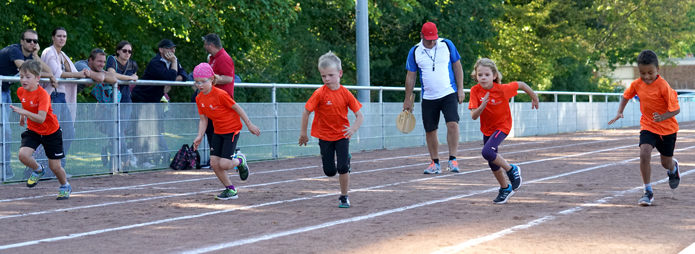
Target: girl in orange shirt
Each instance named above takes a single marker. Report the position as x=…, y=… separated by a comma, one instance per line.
x=490, y=101
x=216, y=104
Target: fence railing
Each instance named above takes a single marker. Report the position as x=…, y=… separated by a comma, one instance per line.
x=126, y=137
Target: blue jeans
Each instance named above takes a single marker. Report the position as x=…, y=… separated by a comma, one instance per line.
x=7, y=100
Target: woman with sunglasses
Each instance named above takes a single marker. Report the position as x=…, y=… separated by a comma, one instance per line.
x=123, y=67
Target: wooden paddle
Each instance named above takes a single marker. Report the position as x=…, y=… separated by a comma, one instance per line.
x=406, y=120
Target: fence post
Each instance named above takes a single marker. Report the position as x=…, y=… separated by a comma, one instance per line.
x=557, y=110
x=116, y=165
x=276, y=147
x=4, y=144
x=383, y=128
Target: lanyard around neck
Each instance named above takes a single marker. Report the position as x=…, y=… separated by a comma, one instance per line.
x=435, y=55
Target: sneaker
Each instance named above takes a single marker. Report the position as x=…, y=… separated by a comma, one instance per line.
x=344, y=202
x=434, y=168
x=227, y=194
x=675, y=178
x=243, y=168
x=503, y=196
x=514, y=176
x=35, y=177
x=64, y=193
x=453, y=166
x=646, y=199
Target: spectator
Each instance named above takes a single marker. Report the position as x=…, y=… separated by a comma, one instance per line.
x=163, y=66
x=11, y=57
x=123, y=67
x=65, y=95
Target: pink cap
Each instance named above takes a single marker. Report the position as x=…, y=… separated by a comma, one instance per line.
x=203, y=70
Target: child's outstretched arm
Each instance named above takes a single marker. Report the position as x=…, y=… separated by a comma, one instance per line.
x=527, y=89
x=623, y=103
x=349, y=130
x=475, y=113
x=252, y=128
x=202, y=126
x=37, y=118
x=664, y=116
x=303, y=138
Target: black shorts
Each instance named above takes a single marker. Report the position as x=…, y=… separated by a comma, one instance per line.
x=664, y=144
x=448, y=105
x=341, y=150
x=52, y=144
x=223, y=145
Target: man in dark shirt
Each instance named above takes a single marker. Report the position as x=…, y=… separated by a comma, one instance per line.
x=11, y=57
x=150, y=143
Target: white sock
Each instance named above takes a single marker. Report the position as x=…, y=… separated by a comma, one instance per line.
x=65, y=185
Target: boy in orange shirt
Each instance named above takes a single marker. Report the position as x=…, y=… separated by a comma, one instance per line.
x=660, y=101
x=216, y=104
x=490, y=101
x=42, y=128
x=331, y=126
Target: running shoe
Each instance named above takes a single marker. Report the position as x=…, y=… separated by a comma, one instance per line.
x=35, y=177
x=434, y=168
x=514, y=176
x=504, y=195
x=344, y=202
x=64, y=193
x=675, y=178
x=646, y=199
x=227, y=194
x=453, y=166
x=243, y=168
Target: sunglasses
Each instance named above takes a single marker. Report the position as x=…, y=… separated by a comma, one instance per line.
x=127, y=51
x=32, y=40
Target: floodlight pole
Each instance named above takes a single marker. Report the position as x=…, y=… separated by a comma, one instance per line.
x=362, y=50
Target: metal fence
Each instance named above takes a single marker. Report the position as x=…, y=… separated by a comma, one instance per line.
x=126, y=137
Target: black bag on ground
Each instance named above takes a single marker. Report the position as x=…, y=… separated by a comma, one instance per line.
x=185, y=158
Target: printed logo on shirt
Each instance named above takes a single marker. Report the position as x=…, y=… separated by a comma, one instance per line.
x=24, y=100
x=329, y=103
x=59, y=154
x=492, y=102
x=202, y=105
x=31, y=104
x=213, y=108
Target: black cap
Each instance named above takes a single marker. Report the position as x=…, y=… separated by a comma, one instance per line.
x=166, y=43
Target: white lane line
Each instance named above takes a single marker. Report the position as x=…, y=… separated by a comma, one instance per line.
x=264, y=172
x=688, y=250
x=302, y=179
x=354, y=219
x=373, y=215
x=490, y=237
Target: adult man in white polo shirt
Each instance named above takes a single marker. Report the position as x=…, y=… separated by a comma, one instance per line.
x=441, y=76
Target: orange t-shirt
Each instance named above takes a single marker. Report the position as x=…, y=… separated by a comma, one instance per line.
x=496, y=115
x=217, y=105
x=35, y=101
x=330, y=109
x=657, y=97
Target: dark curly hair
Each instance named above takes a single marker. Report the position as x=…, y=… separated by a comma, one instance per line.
x=647, y=57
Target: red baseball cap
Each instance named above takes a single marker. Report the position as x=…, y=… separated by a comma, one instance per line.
x=429, y=31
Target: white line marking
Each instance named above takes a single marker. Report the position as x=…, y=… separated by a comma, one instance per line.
x=490, y=237
x=301, y=179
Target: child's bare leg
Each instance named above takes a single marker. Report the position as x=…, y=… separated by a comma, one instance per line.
x=500, y=161
x=645, y=167
x=58, y=170
x=220, y=167
x=499, y=175
x=667, y=162
x=344, y=180
x=26, y=158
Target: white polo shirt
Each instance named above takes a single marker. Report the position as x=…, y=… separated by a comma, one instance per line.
x=434, y=66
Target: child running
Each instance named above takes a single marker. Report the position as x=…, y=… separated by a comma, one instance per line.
x=658, y=100
x=42, y=128
x=331, y=126
x=216, y=104
x=490, y=101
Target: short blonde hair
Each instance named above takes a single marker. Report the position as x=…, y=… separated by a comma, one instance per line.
x=330, y=60
x=32, y=66
x=486, y=63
